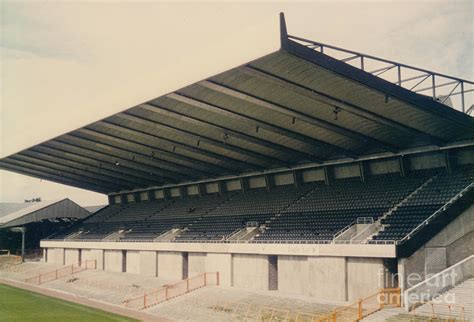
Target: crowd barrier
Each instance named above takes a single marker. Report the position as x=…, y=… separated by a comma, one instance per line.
x=171, y=291
x=42, y=278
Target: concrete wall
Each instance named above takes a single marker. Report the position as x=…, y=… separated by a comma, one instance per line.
x=257, y=182
x=56, y=255
x=144, y=196
x=320, y=277
x=159, y=194
x=133, y=262
x=282, y=179
x=71, y=256
x=175, y=192
x=148, y=263
x=327, y=278
x=113, y=260
x=170, y=265
x=451, y=245
x=289, y=269
x=221, y=263
x=250, y=271
x=313, y=175
x=384, y=166
x=192, y=190
x=346, y=171
x=212, y=187
x=232, y=185
x=426, y=161
x=364, y=277
x=94, y=254
x=196, y=263
x=337, y=250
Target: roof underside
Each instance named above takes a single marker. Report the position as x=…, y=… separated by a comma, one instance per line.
x=291, y=107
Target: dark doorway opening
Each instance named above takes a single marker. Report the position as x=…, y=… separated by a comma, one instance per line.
x=185, y=265
x=273, y=273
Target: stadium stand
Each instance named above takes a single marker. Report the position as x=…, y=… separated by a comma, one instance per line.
x=302, y=172
x=420, y=206
x=310, y=212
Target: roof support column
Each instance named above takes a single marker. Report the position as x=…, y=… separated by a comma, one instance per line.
x=222, y=187
x=404, y=164
x=450, y=160
x=363, y=170
x=328, y=175
x=244, y=184
x=269, y=181
x=297, y=178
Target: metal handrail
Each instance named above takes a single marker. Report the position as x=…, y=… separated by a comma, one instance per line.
x=435, y=214
x=309, y=242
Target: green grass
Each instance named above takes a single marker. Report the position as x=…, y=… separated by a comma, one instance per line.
x=21, y=305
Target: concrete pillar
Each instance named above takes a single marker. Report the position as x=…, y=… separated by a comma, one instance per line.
x=404, y=164
x=269, y=181
x=244, y=184
x=328, y=175
x=363, y=170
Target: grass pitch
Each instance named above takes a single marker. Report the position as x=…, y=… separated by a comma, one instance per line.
x=21, y=305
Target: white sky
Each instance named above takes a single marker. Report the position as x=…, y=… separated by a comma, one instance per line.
x=66, y=64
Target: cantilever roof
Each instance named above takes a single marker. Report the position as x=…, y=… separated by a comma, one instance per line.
x=38, y=211
x=291, y=107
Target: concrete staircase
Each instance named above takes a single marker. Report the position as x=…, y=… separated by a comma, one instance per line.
x=114, y=236
x=169, y=235
x=384, y=314
x=461, y=295
x=246, y=233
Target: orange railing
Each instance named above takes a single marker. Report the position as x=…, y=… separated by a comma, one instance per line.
x=62, y=272
x=171, y=291
x=441, y=311
x=366, y=306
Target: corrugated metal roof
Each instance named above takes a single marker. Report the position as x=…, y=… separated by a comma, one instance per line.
x=291, y=107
